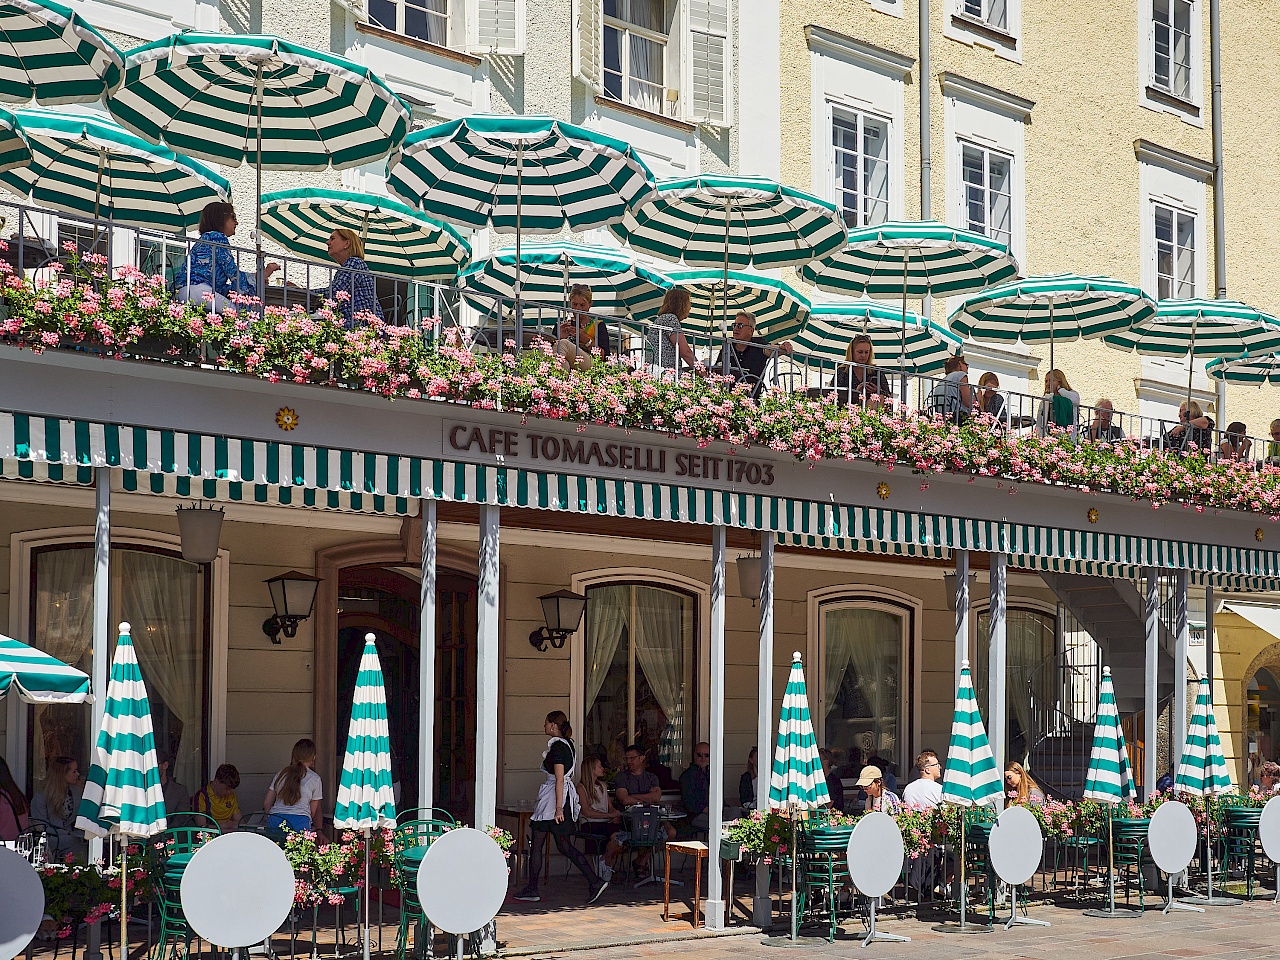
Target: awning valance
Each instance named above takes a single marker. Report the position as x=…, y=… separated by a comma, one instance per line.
x=228, y=468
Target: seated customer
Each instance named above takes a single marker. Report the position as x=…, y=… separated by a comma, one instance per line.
x=596, y=817
x=747, y=782
x=352, y=287
x=952, y=399
x=1273, y=445
x=1194, y=429
x=925, y=792
x=879, y=797
x=581, y=333
x=835, y=786
x=748, y=354
x=1103, y=428
x=211, y=271
x=635, y=784
x=859, y=381
x=218, y=798
x=695, y=787
x=990, y=400
x=1060, y=405
x=1235, y=445
x=177, y=799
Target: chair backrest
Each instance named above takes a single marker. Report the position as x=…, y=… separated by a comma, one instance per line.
x=426, y=813
x=268, y=825
x=419, y=833
x=192, y=818
x=826, y=839
x=644, y=823
x=945, y=400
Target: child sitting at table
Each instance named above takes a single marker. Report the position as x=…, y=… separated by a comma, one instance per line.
x=218, y=798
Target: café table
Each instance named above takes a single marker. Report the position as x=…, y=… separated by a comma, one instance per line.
x=522, y=812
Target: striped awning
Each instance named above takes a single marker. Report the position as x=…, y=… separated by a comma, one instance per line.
x=261, y=471
x=52, y=56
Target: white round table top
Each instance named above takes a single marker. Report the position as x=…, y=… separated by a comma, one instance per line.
x=1269, y=829
x=875, y=854
x=237, y=890
x=22, y=894
x=462, y=881
x=1172, y=836
x=1016, y=845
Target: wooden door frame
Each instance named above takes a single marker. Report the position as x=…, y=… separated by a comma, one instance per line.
x=406, y=551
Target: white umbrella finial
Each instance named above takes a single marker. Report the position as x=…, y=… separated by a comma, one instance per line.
x=369, y=638
x=1106, y=671
x=964, y=664
x=124, y=627
x=795, y=656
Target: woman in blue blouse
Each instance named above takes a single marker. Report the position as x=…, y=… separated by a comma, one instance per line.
x=354, y=279
x=211, y=268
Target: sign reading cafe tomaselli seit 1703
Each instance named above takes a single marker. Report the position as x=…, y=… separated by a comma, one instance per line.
x=545, y=451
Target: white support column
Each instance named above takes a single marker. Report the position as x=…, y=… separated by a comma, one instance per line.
x=487, y=671
x=715, y=800
x=1182, y=632
x=962, y=611
x=1151, y=679
x=101, y=643
x=427, y=660
x=762, y=904
x=997, y=662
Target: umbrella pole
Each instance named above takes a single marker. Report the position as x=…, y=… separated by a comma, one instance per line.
x=724, y=316
x=1111, y=859
x=124, y=898
x=795, y=928
x=259, y=266
x=519, y=218
x=902, y=357
x=366, y=893
x=97, y=203
x=1051, y=366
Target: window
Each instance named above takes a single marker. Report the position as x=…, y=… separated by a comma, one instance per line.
x=860, y=145
x=987, y=196
x=639, y=674
x=635, y=47
x=165, y=599
x=994, y=13
x=420, y=19
x=862, y=666
x=1031, y=680
x=1175, y=251
x=1172, y=53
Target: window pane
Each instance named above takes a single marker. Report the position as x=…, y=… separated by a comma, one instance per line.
x=607, y=656
x=382, y=13
x=875, y=186
x=1001, y=215
x=844, y=136
x=645, y=65
x=998, y=16
x=971, y=172
x=647, y=14
x=1186, y=255
x=973, y=8
x=613, y=62
x=861, y=667
x=1031, y=678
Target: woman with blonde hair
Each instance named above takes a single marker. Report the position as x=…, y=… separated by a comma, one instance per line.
x=859, y=379
x=1019, y=788
x=293, y=799
x=55, y=807
x=667, y=341
x=580, y=332
x=353, y=286
x=597, y=818
x=1060, y=404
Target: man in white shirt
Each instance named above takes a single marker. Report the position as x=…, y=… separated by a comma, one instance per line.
x=925, y=791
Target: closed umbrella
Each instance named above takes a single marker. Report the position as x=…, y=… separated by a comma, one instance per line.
x=1054, y=308
x=50, y=55
x=1202, y=772
x=831, y=326
x=398, y=240
x=1201, y=329
x=516, y=173
x=39, y=678
x=971, y=778
x=1109, y=779
x=912, y=259
x=780, y=310
x=366, y=801
x=732, y=223
x=796, y=781
x=234, y=99
x=86, y=164
x=620, y=284
x=122, y=793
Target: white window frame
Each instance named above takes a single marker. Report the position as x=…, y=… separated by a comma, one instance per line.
x=872, y=597
x=859, y=118
x=1191, y=108
x=1004, y=42
x=987, y=153
x=894, y=8
x=1177, y=215
x=994, y=120
x=398, y=28
x=626, y=28
x=1179, y=183
x=847, y=75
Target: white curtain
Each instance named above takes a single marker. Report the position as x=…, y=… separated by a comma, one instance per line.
x=868, y=642
x=159, y=601
x=63, y=629
x=1030, y=641
x=607, y=612
x=658, y=638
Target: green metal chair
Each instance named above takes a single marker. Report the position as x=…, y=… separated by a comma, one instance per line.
x=168, y=854
x=1241, y=843
x=409, y=844
x=1131, y=855
x=823, y=873
x=977, y=855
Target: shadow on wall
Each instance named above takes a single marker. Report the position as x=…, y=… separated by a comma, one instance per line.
x=242, y=16
x=715, y=140
x=506, y=73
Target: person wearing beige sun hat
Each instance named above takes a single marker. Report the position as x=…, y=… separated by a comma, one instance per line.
x=879, y=797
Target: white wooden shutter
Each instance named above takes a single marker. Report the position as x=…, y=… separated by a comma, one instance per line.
x=708, y=101
x=495, y=26
x=588, y=42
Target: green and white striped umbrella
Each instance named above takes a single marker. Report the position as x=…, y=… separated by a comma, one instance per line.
x=780, y=310
x=1263, y=369
x=524, y=174
x=88, y=165
x=1109, y=778
x=260, y=100
x=797, y=779
x=1202, y=770
x=620, y=284
x=912, y=259
x=1202, y=328
x=831, y=326
x=398, y=241
x=122, y=793
x=731, y=223
x=365, y=798
x=971, y=777
x=38, y=677
x=1058, y=308
x=49, y=55
x=14, y=150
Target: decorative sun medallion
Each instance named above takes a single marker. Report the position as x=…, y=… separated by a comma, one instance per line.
x=882, y=491
x=1093, y=514
x=1258, y=534
x=287, y=418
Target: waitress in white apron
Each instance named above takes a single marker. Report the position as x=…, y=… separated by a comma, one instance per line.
x=556, y=811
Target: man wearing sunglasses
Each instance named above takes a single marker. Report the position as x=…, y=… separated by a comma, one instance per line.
x=695, y=787
x=748, y=354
